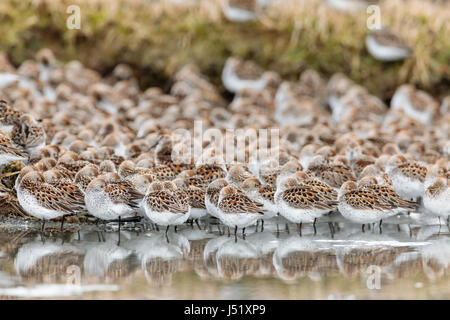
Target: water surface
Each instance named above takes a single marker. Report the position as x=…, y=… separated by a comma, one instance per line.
x=404, y=260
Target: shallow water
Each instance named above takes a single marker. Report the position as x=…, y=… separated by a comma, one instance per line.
x=407, y=259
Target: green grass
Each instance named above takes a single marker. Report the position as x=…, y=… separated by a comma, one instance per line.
x=156, y=39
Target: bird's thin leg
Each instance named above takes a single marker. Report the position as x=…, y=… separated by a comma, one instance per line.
x=287, y=228
x=381, y=222
x=300, y=228
x=43, y=226
x=362, y=228
x=314, y=226
x=79, y=236
x=157, y=228
x=262, y=225
x=198, y=224
x=257, y=224
x=118, y=242
x=243, y=231
x=229, y=231
x=175, y=228
x=192, y=223
x=235, y=230
x=62, y=222
x=330, y=225
x=167, y=229
x=398, y=227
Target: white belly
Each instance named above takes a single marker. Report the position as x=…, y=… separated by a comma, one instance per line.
x=363, y=216
x=298, y=215
x=439, y=206
x=241, y=220
x=166, y=218
x=32, y=207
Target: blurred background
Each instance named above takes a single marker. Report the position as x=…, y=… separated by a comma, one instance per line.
x=156, y=38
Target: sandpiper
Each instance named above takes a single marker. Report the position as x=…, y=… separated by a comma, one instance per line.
x=212, y=196
x=407, y=177
x=385, y=45
x=436, y=198
x=9, y=152
x=300, y=203
x=110, y=198
x=333, y=175
x=386, y=193
x=44, y=201
x=28, y=133
x=363, y=205
x=164, y=206
x=236, y=210
x=238, y=75
x=264, y=194
x=196, y=199
x=240, y=10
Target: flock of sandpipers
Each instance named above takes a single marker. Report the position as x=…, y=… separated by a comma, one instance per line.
x=101, y=145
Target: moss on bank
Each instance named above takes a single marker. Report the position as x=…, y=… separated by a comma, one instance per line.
x=157, y=38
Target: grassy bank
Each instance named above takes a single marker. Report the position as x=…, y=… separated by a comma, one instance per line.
x=158, y=38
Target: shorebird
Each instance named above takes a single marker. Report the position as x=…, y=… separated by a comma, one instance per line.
x=45, y=201
x=196, y=199
x=240, y=10
x=236, y=210
x=237, y=174
x=386, y=193
x=238, y=75
x=436, y=198
x=300, y=203
x=74, y=194
x=28, y=133
x=165, y=205
x=351, y=5
x=85, y=176
x=332, y=174
x=264, y=194
x=364, y=205
x=212, y=196
x=110, y=198
x=407, y=177
x=9, y=117
x=9, y=152
x=417, y=104
x=385, y=45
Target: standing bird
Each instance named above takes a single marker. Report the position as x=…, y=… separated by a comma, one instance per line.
x=43, y=200
x=264, y=194
x=437, y=197
x=237, y=210
x=364, y=205
x=109, y=198
x=299, y=202
x=408, y=177
x=165, y=205
x=384, y=45
x=212, y=196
